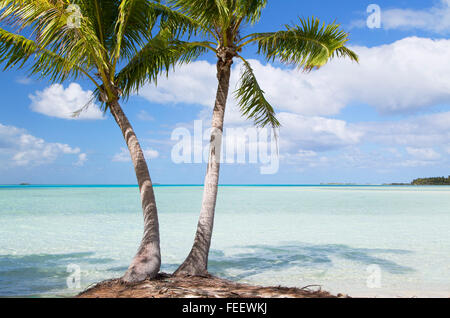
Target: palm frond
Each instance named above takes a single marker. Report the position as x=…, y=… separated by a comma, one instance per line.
x=132, y=24
x=158, y=56
x=16, y=51
x=308, y=45
x=103, y=15
x=250, y=10
x=136, y=20
x=344, y=51
x=48, y=20
x=207, y=12
x=251, y=100
x=178, y=22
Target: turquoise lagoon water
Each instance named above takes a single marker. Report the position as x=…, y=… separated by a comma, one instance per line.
x=362, y=241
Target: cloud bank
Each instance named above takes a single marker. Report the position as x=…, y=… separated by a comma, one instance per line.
x=402, y=77
x=435, y=19
x=406, y=78
x=19, y=148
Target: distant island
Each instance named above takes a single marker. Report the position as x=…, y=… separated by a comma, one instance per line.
x=432, y=181
x=426, y=181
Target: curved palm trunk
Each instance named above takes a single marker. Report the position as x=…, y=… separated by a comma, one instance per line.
x=147, y=262
x=197, y=261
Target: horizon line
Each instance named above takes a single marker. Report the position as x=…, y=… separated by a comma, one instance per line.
x=197, y=185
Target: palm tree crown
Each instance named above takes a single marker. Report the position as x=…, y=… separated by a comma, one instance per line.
x=115, y=44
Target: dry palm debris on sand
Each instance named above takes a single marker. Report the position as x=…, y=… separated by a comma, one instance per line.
x=167, y=286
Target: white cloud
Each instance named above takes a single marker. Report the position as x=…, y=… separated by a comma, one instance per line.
x=404, y=76
x=19, y=148
x=24, y=80
x=194, y=83
x=417, y=132
x=124, y=155
x=305, y=158
x=82, y=158
x=434, y=19
x=316, y=133
x=423, y=153
x=55, y=101
x=412, y=163
x=408, y=142
x=447, y=149
x=151, y=153
x=145, y=116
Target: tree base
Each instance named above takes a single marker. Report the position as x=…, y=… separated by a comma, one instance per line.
x=145, y=265
x=191, y=269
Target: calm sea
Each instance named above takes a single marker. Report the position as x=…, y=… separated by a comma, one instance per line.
x=358, y=240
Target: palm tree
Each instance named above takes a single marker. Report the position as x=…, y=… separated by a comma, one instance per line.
x=308, y=45
x=111, y=43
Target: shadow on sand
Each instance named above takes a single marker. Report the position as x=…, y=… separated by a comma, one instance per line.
x=259, y=258
x=28, y=275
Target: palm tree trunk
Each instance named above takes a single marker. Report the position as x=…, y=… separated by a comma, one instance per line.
x=147, y=262
x=196, y=264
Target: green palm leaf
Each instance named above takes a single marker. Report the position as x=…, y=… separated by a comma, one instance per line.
x=308, y=45
x=111, y=34
x=251, y=100
x=16, y=50
x=48, y=22
x=207, y=12
x=250, y=10
x=179, y=23
x=159, y=55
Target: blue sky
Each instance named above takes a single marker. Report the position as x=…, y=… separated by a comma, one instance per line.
x=384, y=120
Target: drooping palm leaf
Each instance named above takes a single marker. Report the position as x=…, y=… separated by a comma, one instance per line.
x=251, y=100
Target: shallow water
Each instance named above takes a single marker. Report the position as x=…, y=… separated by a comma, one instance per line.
x=363, y=241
